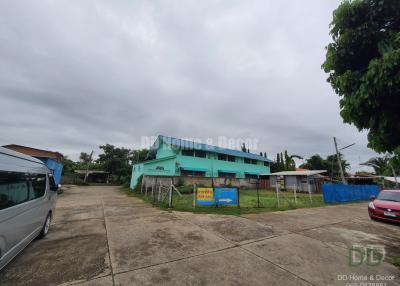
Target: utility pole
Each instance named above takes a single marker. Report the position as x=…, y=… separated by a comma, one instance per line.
x=395, y=177
x=339, y=162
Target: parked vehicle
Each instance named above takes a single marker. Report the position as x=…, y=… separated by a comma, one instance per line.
x=28, y=195
x=386, y=206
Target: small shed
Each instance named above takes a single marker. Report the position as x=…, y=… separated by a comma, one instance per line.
x=302, y=180
x=94, y=176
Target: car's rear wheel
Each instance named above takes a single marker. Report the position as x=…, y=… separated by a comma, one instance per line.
x=46, y=227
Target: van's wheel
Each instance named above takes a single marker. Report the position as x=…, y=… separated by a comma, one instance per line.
x=46, y=227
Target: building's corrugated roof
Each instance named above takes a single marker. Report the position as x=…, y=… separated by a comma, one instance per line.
x=34, y=152
x=186, y=144
x=392, y=179
x=298, y=173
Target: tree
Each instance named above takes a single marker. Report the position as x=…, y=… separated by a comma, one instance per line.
x=116, y=161
x=284, y=162
x=68, y=166
x=316, y=162
x=244, y=149
x=384, y=166
x=85, y=158
x=363, y=63
x=275, y=166
x=380, y=165
x=138, y=156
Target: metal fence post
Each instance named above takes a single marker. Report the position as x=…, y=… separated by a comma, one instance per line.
x=194, y=196
x=309, y=189
x=238, y=196
x=277, y=193
x=153, y=192
x=258, y=193
x=159, y=192
x=170, y=195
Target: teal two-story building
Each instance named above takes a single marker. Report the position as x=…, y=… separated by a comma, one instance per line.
x=174, y=157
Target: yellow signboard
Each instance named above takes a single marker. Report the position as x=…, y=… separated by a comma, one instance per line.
x=204, y=196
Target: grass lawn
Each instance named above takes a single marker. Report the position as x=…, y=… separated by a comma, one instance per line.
x=248, y=202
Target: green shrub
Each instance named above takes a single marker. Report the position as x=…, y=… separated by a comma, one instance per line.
x=186, y=189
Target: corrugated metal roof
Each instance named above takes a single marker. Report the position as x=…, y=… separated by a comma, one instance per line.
x=186, y=144
x=392, y=179
x=298, y=173
x=34, y=152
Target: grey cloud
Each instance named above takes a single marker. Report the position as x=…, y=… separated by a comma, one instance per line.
x=77, y=74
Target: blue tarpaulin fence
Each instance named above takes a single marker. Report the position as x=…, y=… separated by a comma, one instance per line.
x=339, y=193
x=55, y=167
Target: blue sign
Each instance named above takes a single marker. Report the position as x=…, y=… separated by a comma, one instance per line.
x=226, y=196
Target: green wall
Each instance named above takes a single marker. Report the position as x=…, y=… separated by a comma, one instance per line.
x=169, y=161
x=212, y=165
x=137, y=170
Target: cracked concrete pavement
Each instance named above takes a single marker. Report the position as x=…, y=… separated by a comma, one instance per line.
x=102, y=237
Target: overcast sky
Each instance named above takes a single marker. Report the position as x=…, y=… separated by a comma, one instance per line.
x=76, y=74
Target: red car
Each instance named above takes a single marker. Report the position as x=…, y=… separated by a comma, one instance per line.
x=386, y=206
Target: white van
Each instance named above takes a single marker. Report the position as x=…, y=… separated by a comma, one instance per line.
x=28, y=196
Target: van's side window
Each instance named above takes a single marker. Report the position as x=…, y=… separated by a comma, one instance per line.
x=14, y=189
x=37, y=186
x=17, y=188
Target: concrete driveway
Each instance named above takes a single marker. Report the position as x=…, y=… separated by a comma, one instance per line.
x=102, y=237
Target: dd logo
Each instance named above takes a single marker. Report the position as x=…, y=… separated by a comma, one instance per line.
x=371, y=255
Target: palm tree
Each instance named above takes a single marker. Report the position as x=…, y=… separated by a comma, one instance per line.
x=379, y=164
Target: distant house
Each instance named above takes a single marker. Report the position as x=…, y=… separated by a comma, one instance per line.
x=301, y=180
x=51, y=159
x=193, y=162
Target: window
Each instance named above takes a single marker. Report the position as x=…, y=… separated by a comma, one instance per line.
x=222, y=157
x=200, y=154
x=226, y=175
x=37, y=186
x=250, y=176
x=17, y=188
x=389, y=196
x=52, y=184
x=13, y=189
x=186, y=152
x=266, y=164
x=250, y=161
x=231, y=158
x=193, y=173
